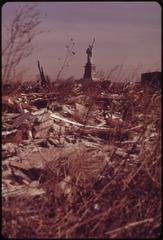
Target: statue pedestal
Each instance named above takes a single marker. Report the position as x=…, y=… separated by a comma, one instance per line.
x=90, y=71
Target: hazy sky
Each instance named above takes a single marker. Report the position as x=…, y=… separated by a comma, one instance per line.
x=126, y=33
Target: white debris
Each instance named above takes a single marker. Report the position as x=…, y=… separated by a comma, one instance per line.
x=5, y=133
x=96, y=206
x=120, y=152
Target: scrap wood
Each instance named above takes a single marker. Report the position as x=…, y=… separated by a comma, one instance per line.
x=14, y=104
x=9, y=147
x=97, y=162
x=8, y=100
x=120, y=152
x=44, y=125
x=6, y=126
x=6, y=133
x=53, y=115
x=21, y=119
x=33, y=173
x=41, y=133
x=105, y=132
x=19, y=165
x=40, y=112
x=27, y=164
x=19, y=175
x=27, y=190
x=9, y=116
x=80, y=124
x=110, y=98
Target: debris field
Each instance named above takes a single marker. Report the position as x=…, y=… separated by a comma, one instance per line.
x=81, y=160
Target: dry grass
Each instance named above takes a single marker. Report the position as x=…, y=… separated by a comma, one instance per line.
x=92, y=192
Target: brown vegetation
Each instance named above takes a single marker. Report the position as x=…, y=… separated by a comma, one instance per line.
x=95, y=175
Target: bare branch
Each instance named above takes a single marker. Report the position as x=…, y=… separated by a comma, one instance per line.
x=18, y=37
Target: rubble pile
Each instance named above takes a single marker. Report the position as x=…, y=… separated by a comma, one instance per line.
x=79, y=156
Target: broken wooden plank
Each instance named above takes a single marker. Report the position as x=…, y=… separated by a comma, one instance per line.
x=22, y=190
x=21, y=119
x=105, y=133
x=53, y=115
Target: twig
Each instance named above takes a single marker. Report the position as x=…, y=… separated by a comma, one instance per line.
x=126, y=227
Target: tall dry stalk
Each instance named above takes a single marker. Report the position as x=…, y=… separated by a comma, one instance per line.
x=69, y=53
x=18, y=39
